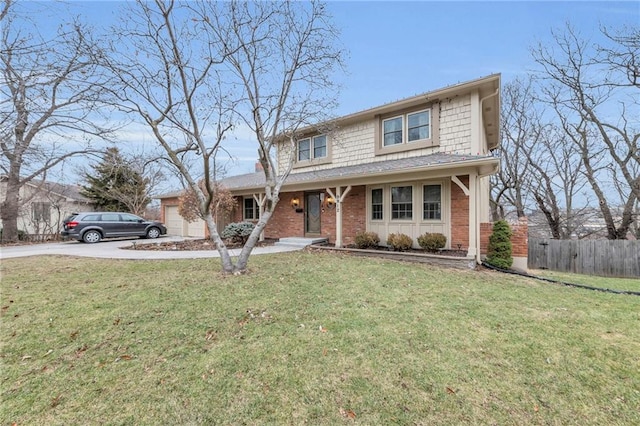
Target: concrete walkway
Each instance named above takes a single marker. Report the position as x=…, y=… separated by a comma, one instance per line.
x=112, y=249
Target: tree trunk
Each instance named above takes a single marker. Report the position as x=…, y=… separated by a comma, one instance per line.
x=225, y=257
x=243, y=259
x=10, y=210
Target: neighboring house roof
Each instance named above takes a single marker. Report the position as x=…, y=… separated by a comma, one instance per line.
x=70, y=192
x=431, y=162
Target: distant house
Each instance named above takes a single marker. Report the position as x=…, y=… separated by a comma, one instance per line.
x=417, y=165
x=44, y=205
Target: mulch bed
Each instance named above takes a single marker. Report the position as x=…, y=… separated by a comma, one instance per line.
x=452, y=253
x=191, y=245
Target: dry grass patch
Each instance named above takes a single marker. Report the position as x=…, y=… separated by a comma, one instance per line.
x=309, y=338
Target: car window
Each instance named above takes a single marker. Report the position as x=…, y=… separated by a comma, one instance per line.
x=130, y=218
x=91, y=218
x=111, y=217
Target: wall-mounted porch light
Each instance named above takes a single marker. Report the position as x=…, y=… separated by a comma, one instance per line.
x=295, y=202
x=331, y=202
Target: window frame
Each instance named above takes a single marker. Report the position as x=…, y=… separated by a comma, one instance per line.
x=399, y=211
x=384, y=133
x=424, y=202
x=432, y=140
x=307, y=150
x=313, y=148
x=381, y=204
x=255, y=209
x=41, y=211
x=428, y=112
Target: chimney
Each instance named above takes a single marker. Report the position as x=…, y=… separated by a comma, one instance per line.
x=259, y=167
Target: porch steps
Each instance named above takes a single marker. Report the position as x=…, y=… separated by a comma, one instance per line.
x=299, y=242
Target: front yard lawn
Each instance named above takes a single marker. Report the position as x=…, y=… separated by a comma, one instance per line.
x=309, y=338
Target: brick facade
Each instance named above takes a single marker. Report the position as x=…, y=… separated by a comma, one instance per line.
x=165, y=203
x=519, y=239
x=459, y=216
x=287, y=222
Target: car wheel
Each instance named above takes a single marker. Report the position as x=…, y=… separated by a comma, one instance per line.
x=153, y=233
x=91, y=237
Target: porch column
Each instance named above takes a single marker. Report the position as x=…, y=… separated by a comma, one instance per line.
x=473, y=214
x=339, y=196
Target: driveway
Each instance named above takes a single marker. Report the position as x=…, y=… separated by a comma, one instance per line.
x=113, y=250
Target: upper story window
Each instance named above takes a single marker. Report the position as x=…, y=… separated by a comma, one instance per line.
x=418, y=126
x=415, y=126
x=251, y=209
x=408, y=131
x=392, y=131
x=312, y=148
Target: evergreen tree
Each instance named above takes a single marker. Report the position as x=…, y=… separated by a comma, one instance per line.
x=499, y=250
x=115, y=185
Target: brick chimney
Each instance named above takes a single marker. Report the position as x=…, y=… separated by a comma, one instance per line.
x=259, y=167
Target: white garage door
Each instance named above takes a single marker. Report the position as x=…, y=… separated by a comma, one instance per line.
x=196, y=229
x=173, y=221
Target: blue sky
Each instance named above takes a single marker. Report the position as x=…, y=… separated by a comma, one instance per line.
x=399, y=49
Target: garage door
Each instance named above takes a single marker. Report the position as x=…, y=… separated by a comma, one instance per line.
x=173, y=221
x=196, y=229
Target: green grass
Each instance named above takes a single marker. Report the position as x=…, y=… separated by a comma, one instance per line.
x=626, y=284
x=309, y=338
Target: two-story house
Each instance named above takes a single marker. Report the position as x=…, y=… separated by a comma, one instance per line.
x=417, y=165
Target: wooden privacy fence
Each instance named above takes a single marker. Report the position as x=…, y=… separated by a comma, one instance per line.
x=607, y=258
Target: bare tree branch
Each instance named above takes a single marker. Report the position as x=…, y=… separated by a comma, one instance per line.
x=50, y=105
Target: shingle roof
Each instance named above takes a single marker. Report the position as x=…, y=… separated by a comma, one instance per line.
x=257, y=180
x=66, y=190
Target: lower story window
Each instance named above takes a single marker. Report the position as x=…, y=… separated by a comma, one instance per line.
x=41, y=212
x=376, y=204
x=251, y=210
x=432, y=202
x=401, y=202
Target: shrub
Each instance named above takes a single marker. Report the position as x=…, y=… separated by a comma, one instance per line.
x=365, y=240
x=499, y=250
x=22, y=235
x=238, y=232
x=399, y=242
x=432, y=242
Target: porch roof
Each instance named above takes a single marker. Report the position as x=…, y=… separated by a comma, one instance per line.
x=379, y=171
x=361, y=173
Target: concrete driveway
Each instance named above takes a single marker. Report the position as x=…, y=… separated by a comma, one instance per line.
x=113, y=250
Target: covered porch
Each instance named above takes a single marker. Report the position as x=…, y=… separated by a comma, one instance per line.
x=445, y=193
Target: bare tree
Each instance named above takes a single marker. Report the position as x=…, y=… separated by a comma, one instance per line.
x=597, y=106
x=50, y=92
x=556, y=183
x=520, y=128
x=540, y=169
x=194, y=71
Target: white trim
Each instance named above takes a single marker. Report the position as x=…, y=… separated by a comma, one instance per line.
x=402, y=129
x=428, y=111
x=462, y=186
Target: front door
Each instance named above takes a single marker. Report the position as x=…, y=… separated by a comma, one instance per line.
x=312, y=210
